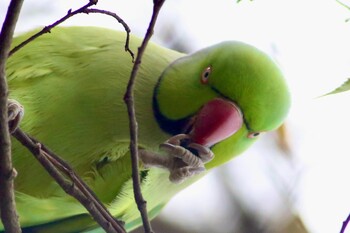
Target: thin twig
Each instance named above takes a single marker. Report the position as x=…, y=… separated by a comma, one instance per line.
x=129, y=100
x=345, y=223
x=84, y=9
x=343, y=4
x=47, y=29
x=70, y=182
x=68, y=171
x=120, y=20
x=8, y=211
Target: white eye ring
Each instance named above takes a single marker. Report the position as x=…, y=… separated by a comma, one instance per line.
x=254, y=134
x=205, y=75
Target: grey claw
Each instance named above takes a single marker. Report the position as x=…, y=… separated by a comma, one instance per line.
x=167, y=146
x=182, y=163
x=176, y=140
x=203, y=152
x=182, y=153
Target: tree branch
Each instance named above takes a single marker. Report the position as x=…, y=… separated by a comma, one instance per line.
x=8, y=212
x=84, y=9
x=345, y=223
x=120, y=20
x=129, y=100
x=70, y=182
x=55, y=166
x=47, y=29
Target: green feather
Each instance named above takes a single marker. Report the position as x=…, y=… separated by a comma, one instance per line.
x=71, y=83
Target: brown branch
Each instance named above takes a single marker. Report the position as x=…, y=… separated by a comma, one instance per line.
x=345, y=223
x=70, y=182
x=120, y=20
x=47, y=29
x=84, y=9
x=129, y=100
x=55, y=166
x=77, y=181
x=8, y=211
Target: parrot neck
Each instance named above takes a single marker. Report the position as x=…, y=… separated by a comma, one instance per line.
x=170, y=126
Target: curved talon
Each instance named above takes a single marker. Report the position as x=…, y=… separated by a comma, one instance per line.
x=182, y=153
x=173, y=145
x=166, y=146
x=181, y=161
x=176, y=140
x=203, y=152
x=173, y=150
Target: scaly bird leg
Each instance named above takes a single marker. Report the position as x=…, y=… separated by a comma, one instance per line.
x=180, y=160
x=15, y=114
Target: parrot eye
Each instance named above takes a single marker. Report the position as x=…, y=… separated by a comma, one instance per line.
x=254, y=134
x=205, y=75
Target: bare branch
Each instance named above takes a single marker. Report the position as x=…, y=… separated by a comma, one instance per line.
x=8, y=211
x=345, y=223
x=55, y=166
x=70, y=182
x=84, y=9
x=129, y=100
x=47, y=29
x=120, y=20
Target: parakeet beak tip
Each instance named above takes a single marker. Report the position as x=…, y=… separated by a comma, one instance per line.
x=217, y=120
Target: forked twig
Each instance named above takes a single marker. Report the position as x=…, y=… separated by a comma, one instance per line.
x=129, y=100
x=345, y=223
x=84, y=9
x=70, y=182
x=120, y=20
x=47, y=29
x=55, y=166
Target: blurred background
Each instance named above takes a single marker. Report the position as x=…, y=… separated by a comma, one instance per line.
x=294, y=180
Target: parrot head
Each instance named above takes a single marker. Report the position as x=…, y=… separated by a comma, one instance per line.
x=223, y=96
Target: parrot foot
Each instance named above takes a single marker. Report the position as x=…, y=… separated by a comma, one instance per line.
x=193, y=154
x=188, y=158
x=184, y=159
x=15, y=114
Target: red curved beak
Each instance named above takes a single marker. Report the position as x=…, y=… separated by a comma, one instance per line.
x=217, y=120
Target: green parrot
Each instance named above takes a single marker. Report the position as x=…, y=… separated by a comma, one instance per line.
x=194, y=112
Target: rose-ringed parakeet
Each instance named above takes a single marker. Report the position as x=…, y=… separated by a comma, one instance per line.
x=194, y=112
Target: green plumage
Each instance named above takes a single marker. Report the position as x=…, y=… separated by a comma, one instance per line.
x=72, y=82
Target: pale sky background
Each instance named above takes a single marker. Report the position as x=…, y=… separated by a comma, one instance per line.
x=311, y=41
